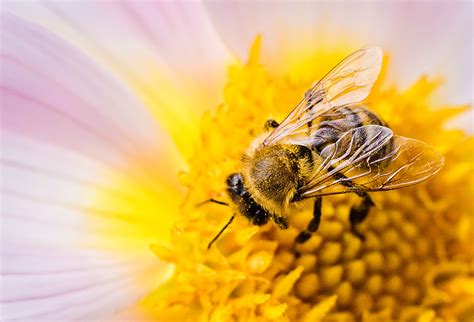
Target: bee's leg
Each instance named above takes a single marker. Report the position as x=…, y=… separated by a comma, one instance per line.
x=282, y=222
x=270, y=124
x=313, y=225
x=359, y=213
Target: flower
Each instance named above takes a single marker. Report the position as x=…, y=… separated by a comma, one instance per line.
x=95, y=129
x=417, y=238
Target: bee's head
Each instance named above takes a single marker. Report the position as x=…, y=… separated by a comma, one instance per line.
x=235, y=184
x=245, y=201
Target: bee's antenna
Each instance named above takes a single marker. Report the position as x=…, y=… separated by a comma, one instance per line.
x=212, y=200
x=222, y=230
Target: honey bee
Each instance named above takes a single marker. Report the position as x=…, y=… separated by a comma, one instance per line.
x=331, y=143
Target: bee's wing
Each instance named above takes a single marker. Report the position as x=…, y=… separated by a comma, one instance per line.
x=370, y=158
x=347, y=83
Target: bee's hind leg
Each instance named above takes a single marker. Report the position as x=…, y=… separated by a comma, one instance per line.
x=359, y=213
x=270, y=124
x=313, y=224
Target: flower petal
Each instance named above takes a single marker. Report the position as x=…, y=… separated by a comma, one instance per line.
x=69, y=129
x=168, y=52
x=49, y=268
x=56, y=94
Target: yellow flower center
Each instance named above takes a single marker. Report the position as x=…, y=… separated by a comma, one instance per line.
x=412, y=265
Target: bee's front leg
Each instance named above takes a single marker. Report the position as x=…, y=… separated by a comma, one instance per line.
x=270, y=124
x=282, y=222
x=313, y=224
x=359, y=213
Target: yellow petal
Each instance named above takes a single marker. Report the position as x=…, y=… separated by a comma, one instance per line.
x=320, y=310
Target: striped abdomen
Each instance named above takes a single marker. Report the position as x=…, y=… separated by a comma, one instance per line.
x=332, y=127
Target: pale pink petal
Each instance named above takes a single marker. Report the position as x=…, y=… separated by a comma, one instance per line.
x=168, y=52
x=53, y=93
x=176, y=34
x=49, y=269
x=68, y=127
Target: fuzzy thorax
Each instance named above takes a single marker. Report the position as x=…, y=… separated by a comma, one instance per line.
x=273, y=174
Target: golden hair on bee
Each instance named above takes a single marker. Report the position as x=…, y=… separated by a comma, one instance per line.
x=273, y=174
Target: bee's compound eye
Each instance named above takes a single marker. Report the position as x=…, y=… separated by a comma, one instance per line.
x=234, y=179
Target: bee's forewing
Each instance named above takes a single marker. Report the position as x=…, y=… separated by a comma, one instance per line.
x=391, y=164
x=347, y=83
x=408, y=162
x=352, y=79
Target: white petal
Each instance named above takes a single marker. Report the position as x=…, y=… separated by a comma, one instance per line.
x=55, y=93
x=69, y=129
x=50, y=266
x=168, y=52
